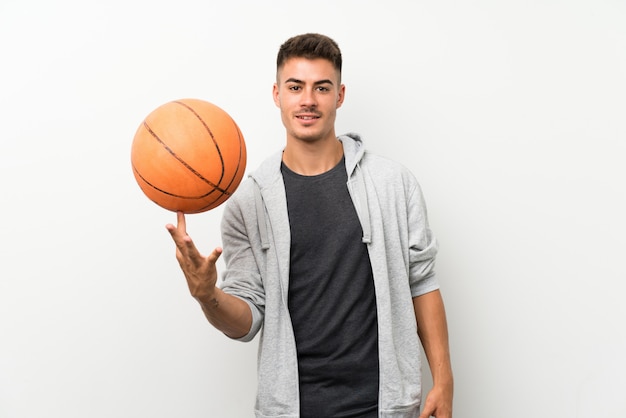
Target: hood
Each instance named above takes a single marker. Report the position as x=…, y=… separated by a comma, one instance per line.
x=269, y=171
x=353, y=150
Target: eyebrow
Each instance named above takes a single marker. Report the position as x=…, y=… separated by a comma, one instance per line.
x=317, y=83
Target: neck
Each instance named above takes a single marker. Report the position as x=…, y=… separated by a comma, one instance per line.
x=312, y=158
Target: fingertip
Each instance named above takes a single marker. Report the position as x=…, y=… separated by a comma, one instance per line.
x=215, y=255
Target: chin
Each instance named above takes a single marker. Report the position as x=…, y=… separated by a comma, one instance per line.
x=307, y=136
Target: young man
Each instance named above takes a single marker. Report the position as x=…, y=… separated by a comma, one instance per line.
x=328, y=249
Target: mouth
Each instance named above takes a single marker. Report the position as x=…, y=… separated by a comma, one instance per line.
x=307, y=116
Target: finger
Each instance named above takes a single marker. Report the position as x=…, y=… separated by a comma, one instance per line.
x=185, y=248
x=427, y=411
x=212, y=258
x=188, y=248
x=182, y=222
x=180, y=230
x=181, y=225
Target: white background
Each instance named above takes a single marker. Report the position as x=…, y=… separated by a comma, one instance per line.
x=510, y=113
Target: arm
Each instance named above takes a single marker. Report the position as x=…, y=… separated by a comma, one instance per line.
x=433, y=332
x=225, y=312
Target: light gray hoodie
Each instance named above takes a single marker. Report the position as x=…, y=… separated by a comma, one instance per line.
x=402, y=250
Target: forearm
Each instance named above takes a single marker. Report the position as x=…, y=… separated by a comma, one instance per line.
x=433, y=332
x=228, y=313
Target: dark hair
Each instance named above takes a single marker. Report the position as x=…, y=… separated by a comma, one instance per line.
x=310, y=46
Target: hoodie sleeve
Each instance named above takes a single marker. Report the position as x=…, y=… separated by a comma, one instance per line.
x=422, y=246
x=241, y=277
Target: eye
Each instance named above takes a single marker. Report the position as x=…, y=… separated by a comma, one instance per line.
x=295, y=87
x=323, y=89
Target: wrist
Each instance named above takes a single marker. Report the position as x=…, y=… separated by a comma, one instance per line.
x=209, y=300
x=443, y=377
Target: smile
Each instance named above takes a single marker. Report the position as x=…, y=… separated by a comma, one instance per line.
x=308, y=117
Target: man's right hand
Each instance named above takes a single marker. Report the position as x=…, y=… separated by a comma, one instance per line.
x=227, y=313
x=200, y=271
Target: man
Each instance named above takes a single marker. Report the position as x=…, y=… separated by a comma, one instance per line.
x=328, y=249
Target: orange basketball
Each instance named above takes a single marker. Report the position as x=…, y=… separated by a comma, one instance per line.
x=188, y=155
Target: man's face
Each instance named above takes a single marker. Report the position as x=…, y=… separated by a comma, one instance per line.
x=308, y=93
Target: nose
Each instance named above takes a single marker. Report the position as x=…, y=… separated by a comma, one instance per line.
x=307, y=98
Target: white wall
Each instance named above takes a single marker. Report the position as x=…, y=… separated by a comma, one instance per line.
x=511, y=114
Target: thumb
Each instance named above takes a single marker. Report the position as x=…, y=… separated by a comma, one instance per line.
x=427, y=411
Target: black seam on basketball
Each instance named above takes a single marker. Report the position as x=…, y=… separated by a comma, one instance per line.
x=223, y=192
x=219, y=152
x=199, y=197
x=239, y=165
x=241, y=148
x=183, y=162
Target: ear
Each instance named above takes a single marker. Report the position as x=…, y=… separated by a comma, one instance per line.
x=341, y=95
x=276, y=95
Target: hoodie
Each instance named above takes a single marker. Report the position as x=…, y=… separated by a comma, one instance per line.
x=402, y=250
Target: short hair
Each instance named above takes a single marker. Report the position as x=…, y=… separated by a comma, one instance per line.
x=310, y=46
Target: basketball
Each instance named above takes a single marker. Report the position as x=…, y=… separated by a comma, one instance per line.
x=188, y=155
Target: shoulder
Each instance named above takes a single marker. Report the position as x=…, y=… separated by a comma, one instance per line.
x=391, y=180
x=386, y=169
x=265, y=174
x=269, y=171
x=245, y=190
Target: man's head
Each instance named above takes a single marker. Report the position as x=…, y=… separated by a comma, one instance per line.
x=310, y=46
x=308, y=87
